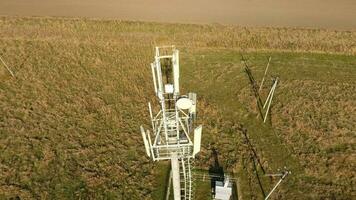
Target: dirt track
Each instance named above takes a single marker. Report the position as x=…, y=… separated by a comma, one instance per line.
x=334, y=14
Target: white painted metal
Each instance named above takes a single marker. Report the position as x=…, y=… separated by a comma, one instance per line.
x=7, y=67
x=169, y=89
x=190, y=181
x=193, y=108
x=172, y=125
x=223, y=189
x=271, y=92
x=157, y=64
x=176, y=71
x=263, y=79
x=184, y=177
x=193, y=96
x=175, y=176
x=154, y=77
x=147, y=147
x=197, y=139
x=169, y=185
x=151, y=115
x=284, y=175
x=269, y=99
x=149, y=141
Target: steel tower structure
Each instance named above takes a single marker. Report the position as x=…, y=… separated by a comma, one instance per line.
x=173, y=124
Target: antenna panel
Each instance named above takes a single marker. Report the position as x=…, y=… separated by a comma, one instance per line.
x=176, y=71
x=193, y=97
x=154, y=77
x=176, y=177
x=197, y=139
x=147, y=147
x=169, y=88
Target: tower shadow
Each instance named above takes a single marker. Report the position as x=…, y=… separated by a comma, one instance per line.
x=216, y=172
x=252, y=149
x=254, y=87
x=255, y=159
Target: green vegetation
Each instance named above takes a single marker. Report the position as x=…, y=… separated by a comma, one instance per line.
x=303, y=134
x=69, y=127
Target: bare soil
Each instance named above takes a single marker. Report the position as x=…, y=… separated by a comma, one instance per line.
x=302, y=13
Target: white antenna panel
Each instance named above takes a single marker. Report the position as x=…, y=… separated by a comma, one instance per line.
x=193, y=98
x=154, y=77
x=197, y=139
x=176, y=71
x=145, y=141
x=169, y=88
x=193, y=109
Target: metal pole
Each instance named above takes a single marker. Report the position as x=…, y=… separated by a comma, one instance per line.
x=154, y=77
x=190, y=180
x=269, y=95
x=151, y=115
x=270, y=101
x=8, y=69
x=175, y=176
x=176, y=72
x=263, y=79
x=160, y=93
x=184, y=176
x=150, y=143
x=169, y=185
x=279, y=182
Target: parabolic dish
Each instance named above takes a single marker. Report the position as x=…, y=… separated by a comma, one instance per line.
x=184, y=103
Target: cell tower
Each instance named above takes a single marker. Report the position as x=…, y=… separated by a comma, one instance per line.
x=174, y=123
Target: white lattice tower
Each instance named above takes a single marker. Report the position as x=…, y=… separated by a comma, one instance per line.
x=172, y=125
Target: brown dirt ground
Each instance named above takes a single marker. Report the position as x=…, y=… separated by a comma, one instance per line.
x=303, y=13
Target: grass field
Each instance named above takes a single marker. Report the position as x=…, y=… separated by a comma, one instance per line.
x=69, y=127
